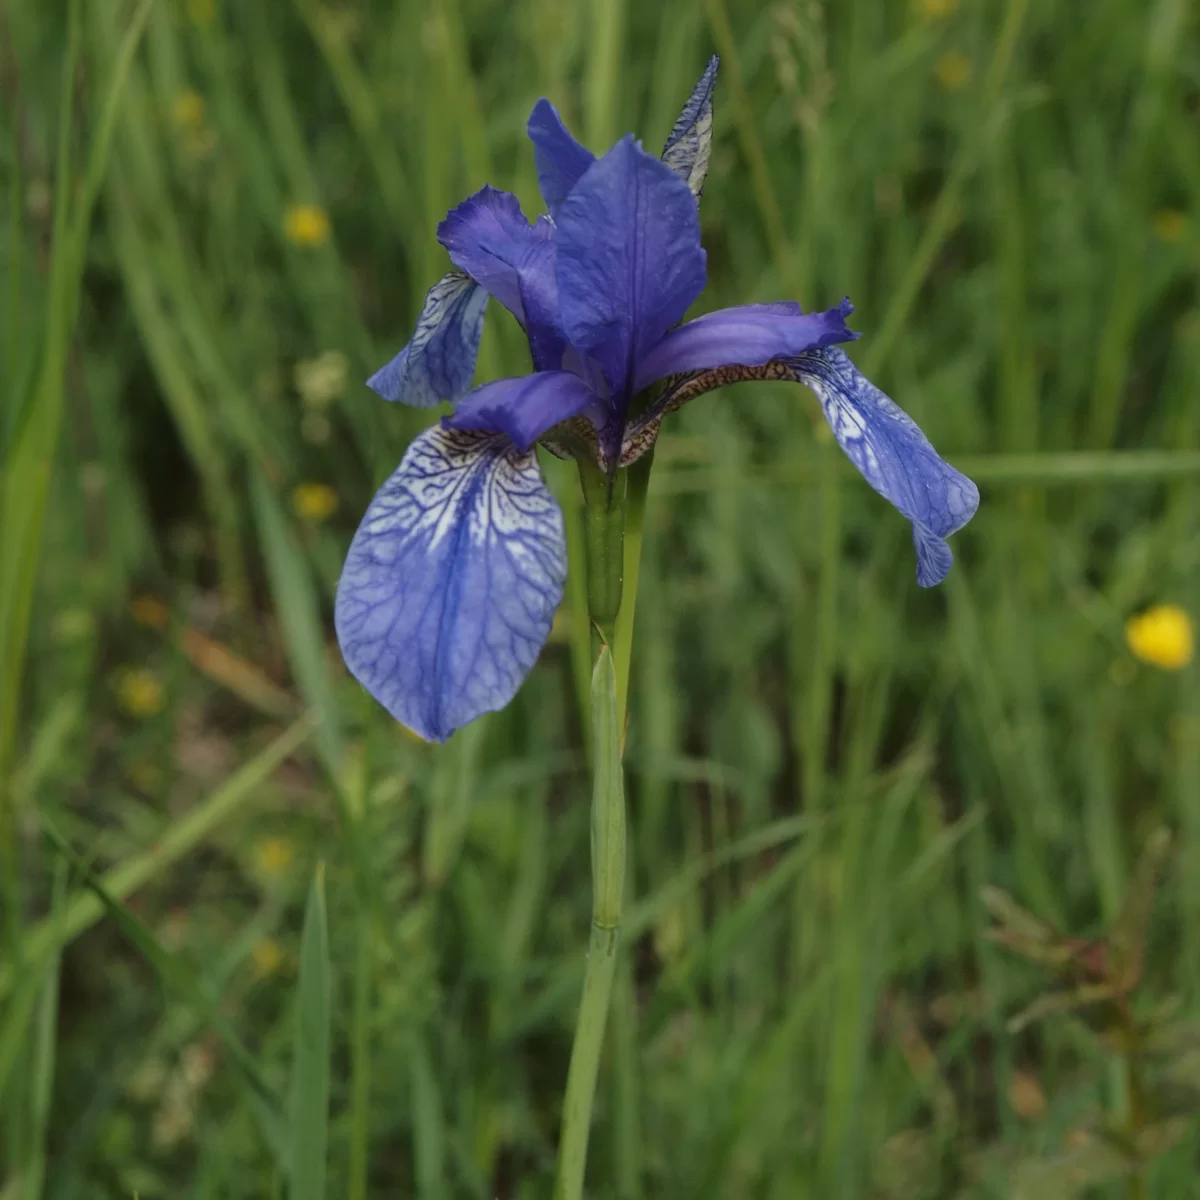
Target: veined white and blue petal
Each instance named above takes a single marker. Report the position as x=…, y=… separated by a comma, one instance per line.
x=893, y=456
x=439, y=361
x=452, y=580
x=880, y=438
x=689, y=145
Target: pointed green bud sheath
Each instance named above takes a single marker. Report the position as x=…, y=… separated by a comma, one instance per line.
x=604, y=540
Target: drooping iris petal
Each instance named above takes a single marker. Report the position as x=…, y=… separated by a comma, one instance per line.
x=893, y=455
x=523, y=409
x=629, y=260
x=747, y=336
x=439, y=361
x=451, y=582
x=560, y=159
x=689, y=146
x=489, y=238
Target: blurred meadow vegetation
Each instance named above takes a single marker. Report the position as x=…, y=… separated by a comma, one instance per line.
x=218, y=219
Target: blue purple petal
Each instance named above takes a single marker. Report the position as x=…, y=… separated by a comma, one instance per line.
x=629, y=260
x=489, y=238
x=746, y=336
x=439, y=361
x=560, y=159
x=894, y=457
x=451, y=583
x=523, y=409
x=689, y=146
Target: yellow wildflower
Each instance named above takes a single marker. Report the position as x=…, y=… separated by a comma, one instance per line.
x=139, y=692
x=1161, y=636
x=936, y=10
x=314, y=501
x=188, y=109
x=272, y=856
x=306, y=225
x=202, y=12
x=1169, y=225
x=149, y=611
x=953, y=71
x=266, y=958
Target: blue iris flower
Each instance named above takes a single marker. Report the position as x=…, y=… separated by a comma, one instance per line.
x=452, y=580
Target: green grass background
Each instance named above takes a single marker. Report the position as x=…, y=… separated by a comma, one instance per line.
x=825, y=763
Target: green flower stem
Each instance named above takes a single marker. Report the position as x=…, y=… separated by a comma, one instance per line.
x=608, y=886
x=604, y=542
x=613, y=521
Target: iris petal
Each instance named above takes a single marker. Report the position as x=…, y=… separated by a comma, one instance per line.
x=894, y=457
x=489, y=238
x=439, y=361
x=560, y=159
x=451, y=582
x=689, y=146
x=523, y=409
x=629, y=260
x=747, y=335
x=879, y=438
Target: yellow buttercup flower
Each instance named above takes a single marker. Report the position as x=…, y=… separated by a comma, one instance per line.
x=953, y=71
x=1169, y=225
x=314, y=501
x=139, y=692
x=306, y=225
x=936, y=10
x=272, y=856
x=202, y=11
x=266, y=957
x=1162, y=636
x=188, y=109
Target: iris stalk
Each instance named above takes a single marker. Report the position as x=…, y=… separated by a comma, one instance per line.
x=606, y=553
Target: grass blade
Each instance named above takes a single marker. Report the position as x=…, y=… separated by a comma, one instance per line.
x=84, y=909
x=177, y=977
x=309, y=1129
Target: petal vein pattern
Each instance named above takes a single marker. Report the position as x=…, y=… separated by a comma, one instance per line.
x=893, y=456
x=439, y=361
x=689, y=146
x=880, y=439
x=452, y=580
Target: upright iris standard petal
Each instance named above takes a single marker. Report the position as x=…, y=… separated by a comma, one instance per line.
x=489, y=238
x=894, y=456
x=560, y=159
x=439, y=361
x=689, y=146
x=452, y=580
x=629, y=260
x=747, y=336
x=525, y=408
